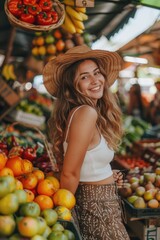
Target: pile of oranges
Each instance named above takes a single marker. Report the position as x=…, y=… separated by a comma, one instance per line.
x=41, y=188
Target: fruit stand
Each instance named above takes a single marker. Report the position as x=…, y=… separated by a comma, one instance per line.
x=141, y=190
x=32, y=204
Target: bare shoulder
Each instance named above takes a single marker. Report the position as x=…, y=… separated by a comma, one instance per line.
x=87, y=112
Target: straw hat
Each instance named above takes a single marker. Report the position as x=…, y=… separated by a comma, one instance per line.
x=53, y=70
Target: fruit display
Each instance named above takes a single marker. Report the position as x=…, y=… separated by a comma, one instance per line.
x=19, y=149
x=132, y=162
x=134, y=129
x=41, y=12
x=74, y=17
x=47, y=45
x=142, y=191
x=32, y=204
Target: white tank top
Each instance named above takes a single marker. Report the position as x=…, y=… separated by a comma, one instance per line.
x=96, y=165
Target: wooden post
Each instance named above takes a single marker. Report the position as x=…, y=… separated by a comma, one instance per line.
x=9, y=46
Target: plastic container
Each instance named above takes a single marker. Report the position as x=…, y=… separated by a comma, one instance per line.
x=141, y=212
x=70, y=225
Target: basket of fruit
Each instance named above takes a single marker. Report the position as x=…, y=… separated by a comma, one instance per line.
x=40, y=154
x=33, y=15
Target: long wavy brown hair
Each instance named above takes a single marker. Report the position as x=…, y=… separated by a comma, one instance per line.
x=70, y=96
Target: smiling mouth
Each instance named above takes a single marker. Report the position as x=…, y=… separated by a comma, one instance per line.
x=96, y=88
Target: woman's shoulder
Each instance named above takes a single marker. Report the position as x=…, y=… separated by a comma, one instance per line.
x=83, y=113
x=85, y=110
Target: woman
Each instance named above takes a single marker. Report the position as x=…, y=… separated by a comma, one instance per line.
x=86, y=129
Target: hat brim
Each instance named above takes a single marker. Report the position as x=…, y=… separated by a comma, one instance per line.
x=52, y=71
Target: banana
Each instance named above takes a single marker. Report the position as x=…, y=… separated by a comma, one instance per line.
x=68, y=24
x=11, y=72
x=77, y=23
x=80, y=9
x=83, y=16
x=5, y=72
x=79, y=30
x=73, y=13
x=68, y=2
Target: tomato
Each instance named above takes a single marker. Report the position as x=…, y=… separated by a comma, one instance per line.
x=29, y=181
x=9, y=204
x=22, y=196
x=7, y=225
x=42, y=225
x=50, y=215
x=28, y=226
x=30, y=209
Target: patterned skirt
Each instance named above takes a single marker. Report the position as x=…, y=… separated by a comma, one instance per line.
x=99, y=213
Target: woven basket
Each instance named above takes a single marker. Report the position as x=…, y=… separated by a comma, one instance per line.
x=47, y=145
x=59, y=8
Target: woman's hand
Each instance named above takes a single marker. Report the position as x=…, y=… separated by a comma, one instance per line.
x=118, y=177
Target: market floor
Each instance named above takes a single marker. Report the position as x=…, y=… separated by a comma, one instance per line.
x=131, y=234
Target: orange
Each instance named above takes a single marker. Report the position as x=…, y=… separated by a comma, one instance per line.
x=57, y=34
x=40, y=41
x=30, y=195
x=55, y=182
x=64, y=197
x=39, y=174
x=44, y=201
x=29, y=181
x=51, y=49
x=6, y=171
x=45, y=187
x=15, y=163
x=28, y=226
x=60, y=45
x=27, y=166
x=19, y=185
x=34, y=51
x=3, y=160
x=42, y=50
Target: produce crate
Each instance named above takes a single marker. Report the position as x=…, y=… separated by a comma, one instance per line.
x=141, y=212
x=142, y=145
x=70, y=225
x=144, y=230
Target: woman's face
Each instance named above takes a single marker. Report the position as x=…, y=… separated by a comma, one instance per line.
x=90, y=80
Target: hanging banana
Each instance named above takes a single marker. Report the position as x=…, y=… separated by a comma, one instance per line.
x=74, y=17
x=5, y=72
x=11, y=72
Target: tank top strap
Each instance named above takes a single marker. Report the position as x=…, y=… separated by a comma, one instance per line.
x=70, y=120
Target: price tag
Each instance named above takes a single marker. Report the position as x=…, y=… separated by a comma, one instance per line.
x=8, y=94
x=84, y=3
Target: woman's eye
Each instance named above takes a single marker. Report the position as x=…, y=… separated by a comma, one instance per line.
x=84, y=77
x=97, y=73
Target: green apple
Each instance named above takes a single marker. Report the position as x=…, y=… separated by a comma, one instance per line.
x=49, y=39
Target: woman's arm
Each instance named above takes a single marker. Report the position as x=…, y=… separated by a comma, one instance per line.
x=81, y=132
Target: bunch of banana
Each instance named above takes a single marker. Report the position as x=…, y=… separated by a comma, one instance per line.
x=74, y=17
x=8, y=72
